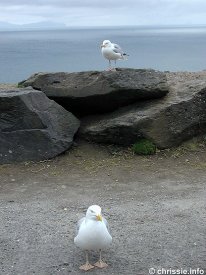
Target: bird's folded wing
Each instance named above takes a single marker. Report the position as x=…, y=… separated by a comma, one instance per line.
x=117, y=49
x=79, y=224
x=106, y=223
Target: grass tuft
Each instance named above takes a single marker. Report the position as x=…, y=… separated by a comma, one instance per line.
x=20, y=85
x=144, y=147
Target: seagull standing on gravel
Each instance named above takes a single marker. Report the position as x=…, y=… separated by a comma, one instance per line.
x=112, y=51
x=93, y=234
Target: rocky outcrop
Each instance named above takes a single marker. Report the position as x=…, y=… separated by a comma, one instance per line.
x=167, y=121
x=32, y=127
x=166, y=108
x=94, y=92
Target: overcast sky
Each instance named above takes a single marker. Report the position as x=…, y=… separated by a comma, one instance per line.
x=104, y=12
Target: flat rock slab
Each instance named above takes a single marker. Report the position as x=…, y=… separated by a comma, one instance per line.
x=98, y=92
x=167, y=121
x=33, y=127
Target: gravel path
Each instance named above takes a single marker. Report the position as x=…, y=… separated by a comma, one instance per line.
x=155, y=206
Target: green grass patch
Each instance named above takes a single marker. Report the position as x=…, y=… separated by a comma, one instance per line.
x=20, y=85
x=144, y=147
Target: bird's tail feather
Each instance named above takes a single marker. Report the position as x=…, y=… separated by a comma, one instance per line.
x=125, y=56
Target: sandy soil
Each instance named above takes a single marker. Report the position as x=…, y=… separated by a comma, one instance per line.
x=155, y=206
x=7, y=86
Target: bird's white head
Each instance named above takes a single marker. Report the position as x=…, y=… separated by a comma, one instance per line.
x=94, y=213
x=106, y=43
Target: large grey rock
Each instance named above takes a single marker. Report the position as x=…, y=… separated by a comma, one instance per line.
x=98, y=92
x=33, y=127
x=167, y=121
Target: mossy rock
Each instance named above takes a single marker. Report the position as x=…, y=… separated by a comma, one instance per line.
x=20, y=85
x=144, y=147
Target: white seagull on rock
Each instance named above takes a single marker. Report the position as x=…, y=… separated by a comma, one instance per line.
x=93, y=234
x=112, y=51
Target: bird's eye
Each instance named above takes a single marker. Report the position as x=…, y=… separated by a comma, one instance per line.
x=92, y=211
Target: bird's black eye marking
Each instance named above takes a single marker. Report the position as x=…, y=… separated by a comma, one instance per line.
x=92, y=211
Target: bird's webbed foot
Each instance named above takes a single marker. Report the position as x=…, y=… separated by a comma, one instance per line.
x=86, y=266
x=101, y=264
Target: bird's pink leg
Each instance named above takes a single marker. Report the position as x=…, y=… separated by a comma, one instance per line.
x=100, y=263
x=110, y=68
x=87, y=266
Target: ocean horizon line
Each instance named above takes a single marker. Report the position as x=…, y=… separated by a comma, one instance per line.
x=28, y=27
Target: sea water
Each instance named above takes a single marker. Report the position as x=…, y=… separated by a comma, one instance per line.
x=23, y=53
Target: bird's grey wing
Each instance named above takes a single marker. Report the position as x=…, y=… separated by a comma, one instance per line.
x=106, y=223
x=117, y=49
x=79, y=224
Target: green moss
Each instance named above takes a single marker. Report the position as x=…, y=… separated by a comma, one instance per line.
x=144, y=147
x=21, y=84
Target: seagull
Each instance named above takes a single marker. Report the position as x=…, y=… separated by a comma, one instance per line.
x=93, y=234
x=112, y=51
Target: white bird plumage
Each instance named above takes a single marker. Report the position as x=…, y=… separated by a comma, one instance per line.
x=93, y=234
x=112, y=51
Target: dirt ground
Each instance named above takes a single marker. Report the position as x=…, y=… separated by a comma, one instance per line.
x=155, y=205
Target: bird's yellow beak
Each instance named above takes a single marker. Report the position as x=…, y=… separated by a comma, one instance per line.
x=99, y=218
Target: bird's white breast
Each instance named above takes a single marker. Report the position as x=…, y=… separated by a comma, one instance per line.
x=93, y=235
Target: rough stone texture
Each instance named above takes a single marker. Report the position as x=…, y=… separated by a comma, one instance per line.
x=97, y=92
x=32, y=127
x=167, y=121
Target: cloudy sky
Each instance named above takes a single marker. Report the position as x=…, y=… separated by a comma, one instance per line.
x=104, y=12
